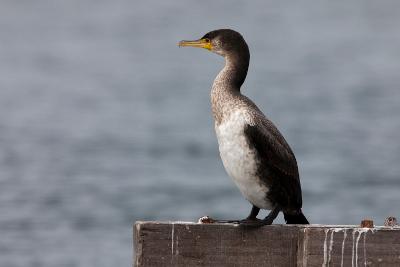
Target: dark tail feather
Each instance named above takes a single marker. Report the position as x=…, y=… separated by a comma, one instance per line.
x=298, y=218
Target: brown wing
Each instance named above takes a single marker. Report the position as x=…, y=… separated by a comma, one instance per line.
x=277, y=166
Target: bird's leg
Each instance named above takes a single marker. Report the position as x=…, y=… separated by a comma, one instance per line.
x=271, y=216
x=266, y=221
x=253, y=213
x=250, y=219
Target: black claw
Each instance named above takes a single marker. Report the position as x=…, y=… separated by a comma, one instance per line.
x=251, y=223
x=228, y=221
x=267, y=221
x=271, y=216
x=246, y=221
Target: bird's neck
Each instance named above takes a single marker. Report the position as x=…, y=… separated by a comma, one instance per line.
x=226, y=86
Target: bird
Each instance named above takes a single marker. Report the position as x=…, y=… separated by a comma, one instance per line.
x=253, y=151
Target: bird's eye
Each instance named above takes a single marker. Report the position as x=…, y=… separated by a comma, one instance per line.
x=207, y=40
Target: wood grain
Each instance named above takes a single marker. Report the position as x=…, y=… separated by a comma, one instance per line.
x=190, y=244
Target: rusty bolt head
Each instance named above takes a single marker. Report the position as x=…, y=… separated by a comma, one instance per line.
x=206, y=219
x=367, y=223
x=390, y=221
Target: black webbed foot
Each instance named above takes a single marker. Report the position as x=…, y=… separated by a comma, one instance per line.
x=266, y=221
x=271, y=216
x=244, y=222
x=250, y=220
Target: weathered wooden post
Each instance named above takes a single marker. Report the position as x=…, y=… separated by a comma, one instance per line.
x=193, y=244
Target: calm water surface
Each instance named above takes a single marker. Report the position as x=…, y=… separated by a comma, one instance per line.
x=104, y=120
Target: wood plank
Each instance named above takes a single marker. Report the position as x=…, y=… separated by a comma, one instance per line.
x=183, y=244
x=192, y=244
x=349, y=246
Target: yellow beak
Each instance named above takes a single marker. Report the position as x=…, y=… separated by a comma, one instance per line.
x=202, y=43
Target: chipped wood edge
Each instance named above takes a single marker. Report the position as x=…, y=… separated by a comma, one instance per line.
x=137, y=244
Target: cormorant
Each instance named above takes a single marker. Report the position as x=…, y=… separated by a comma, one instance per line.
x=253, y=151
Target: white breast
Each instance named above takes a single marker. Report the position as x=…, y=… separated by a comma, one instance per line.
x=239, y=159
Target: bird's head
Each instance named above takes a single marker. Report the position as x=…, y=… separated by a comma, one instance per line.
x=222, y=42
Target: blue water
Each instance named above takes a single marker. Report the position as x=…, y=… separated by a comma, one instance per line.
x=105, y=121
